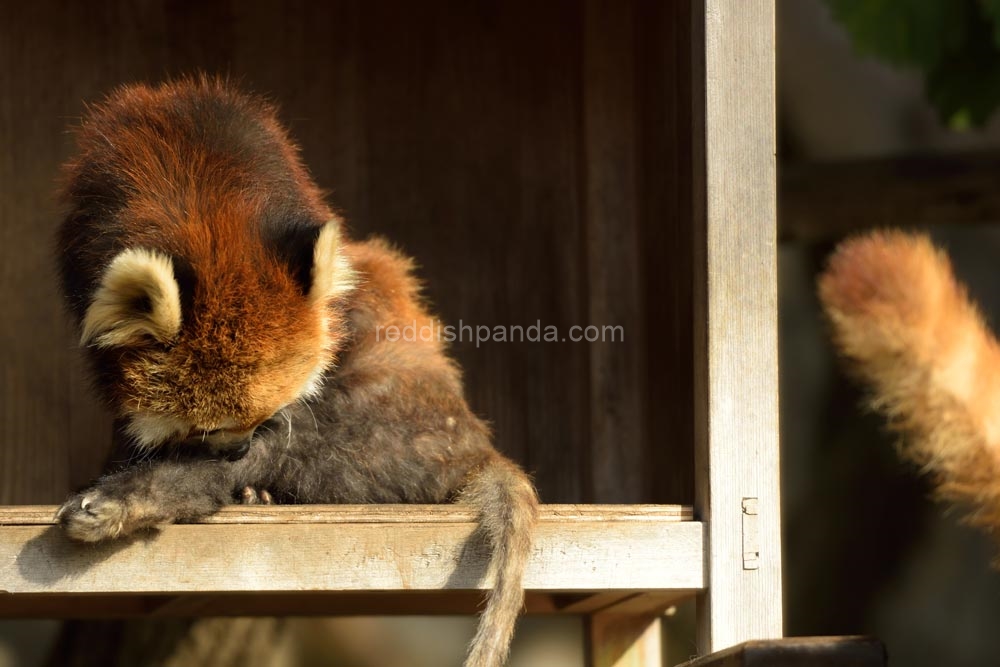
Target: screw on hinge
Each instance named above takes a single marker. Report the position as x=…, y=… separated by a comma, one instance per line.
x=751, y=545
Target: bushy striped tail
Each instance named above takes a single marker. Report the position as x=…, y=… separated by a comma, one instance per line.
x=910, y=332
x=508, y=508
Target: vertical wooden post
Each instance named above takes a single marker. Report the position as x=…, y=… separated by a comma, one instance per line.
x=624, y=640
x=735, y=320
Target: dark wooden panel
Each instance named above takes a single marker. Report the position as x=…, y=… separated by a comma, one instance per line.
x=611, y=219
x=530, y=155
x=199, y=35
x=307, y=58
x=544, y=249
x=471, y=157
x=667, y=237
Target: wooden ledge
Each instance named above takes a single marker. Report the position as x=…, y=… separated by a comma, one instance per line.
x=44, y=515
x=345, y=559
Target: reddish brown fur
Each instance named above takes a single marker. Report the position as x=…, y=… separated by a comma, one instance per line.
x=913, y=336
x=392, y=293
x=196, y=200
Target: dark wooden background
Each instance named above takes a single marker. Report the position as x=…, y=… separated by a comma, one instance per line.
x=533, y=156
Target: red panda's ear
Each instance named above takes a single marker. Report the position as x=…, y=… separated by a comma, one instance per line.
x=332, y=275
x=138, y=297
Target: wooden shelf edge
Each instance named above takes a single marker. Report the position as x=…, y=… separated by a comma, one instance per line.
x=44, y=515
x=312, y=557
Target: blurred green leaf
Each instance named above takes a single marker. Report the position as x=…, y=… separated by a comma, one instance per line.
x=955, y=44
x=991, y=8
x=905, y=32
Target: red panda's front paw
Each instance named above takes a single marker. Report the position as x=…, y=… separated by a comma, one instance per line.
x=92, y=516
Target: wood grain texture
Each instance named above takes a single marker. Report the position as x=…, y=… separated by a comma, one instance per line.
x=44, y=515
x=353, y=548
x=610, y=172
x=664, y=139
x=472, y=157
x=736, y=383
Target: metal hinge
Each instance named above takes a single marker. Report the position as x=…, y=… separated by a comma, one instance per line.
x=751, y=544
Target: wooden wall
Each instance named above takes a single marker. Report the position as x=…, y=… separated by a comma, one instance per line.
x=534, y=157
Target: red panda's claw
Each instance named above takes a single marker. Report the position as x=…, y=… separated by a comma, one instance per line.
x=92, y=516
x=250, y=496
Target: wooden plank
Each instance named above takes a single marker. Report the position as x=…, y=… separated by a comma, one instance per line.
x=736, y=380
x=44, y=515
x=824, y=202
x=611, y=219
x=544, y=243
x=799, y=652
x=663, y=138
x=321, y=102
x=624, y=640
x=636, y=552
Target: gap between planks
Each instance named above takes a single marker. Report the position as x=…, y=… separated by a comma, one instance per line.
x=410, y=603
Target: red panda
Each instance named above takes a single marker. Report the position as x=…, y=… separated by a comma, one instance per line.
x=909, y=331
x=232, y=329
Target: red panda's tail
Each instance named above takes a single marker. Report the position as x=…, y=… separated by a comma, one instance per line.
x=911, y=333
x=508, y=507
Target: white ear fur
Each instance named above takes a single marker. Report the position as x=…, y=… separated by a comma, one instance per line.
x=332, y=274
x=115, y=316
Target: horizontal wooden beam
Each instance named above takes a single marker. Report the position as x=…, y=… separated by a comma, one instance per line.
x=826, y=201
x=304, y=557
x=44, y=515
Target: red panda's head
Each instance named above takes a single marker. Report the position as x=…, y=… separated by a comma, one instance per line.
x=205, y=270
